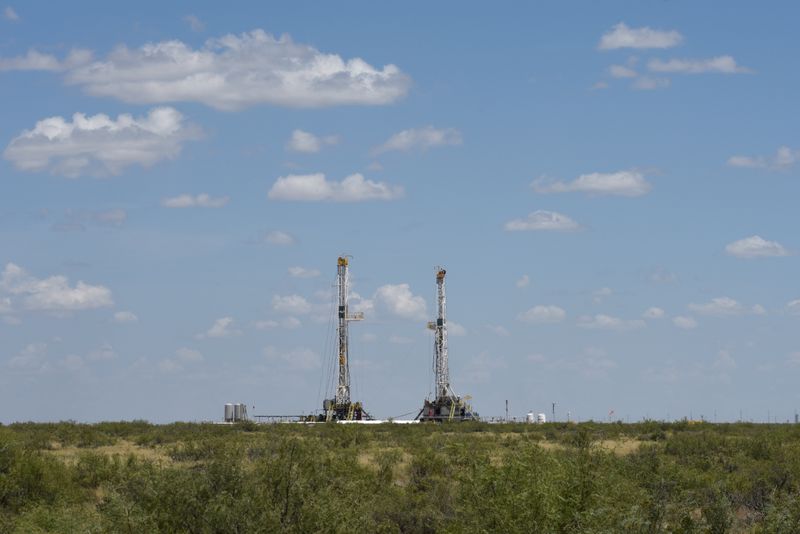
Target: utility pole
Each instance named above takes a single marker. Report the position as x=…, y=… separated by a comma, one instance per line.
x=506, y=410
x=554, y=412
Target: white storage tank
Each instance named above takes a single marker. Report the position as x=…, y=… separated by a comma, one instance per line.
x=239, y=412
x=530, y=418
x=229, y=413
x=541, y=418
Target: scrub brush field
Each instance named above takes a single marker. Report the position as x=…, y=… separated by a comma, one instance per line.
x=469, y=477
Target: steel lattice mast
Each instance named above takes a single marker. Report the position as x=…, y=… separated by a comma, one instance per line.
x=342, y=280
x=441, y=370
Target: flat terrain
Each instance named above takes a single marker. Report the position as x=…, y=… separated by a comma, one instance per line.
x=467, y=477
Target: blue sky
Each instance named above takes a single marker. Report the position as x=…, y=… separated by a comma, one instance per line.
x=611, y=187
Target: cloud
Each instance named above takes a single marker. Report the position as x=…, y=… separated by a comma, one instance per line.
x=719, y=307
x=758, y=309
x=622, y=36
x=621, y=71
x=31, y=357
x=793, y=307
x=302, y=359
x=276, y=237
x=398, y=300
x=653, y=313
x=203, y=200
x=194, y=23
x=5, y=305
x=524, y=281
x=420, y=139
x=607, y=322
x=183, y=355
x=783, y=159
x=293, y=304
x=622, y=183
x=103, y=353
x=498, y=330
x=123, y=317
x=601, y=294
x=724, y=361
x=542, y=220
x=316, y=188
x=53, y=293
x=76, y=220
x=237, y=71
x=719, y=64
x=98, y=145
x=188, y=355
x=10, y=14
x=646, y=83
x=288, y=323
x=543, y=314
x=687, y=323
x=302, y=272
x=309, y=143
x=755, y=247
x=222, y=327
x=35, y=60
x=599, y=85
x=456, y=329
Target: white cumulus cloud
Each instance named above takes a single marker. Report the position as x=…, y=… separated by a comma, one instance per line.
x=53, y=293
x=203, y=200
x=543, y=314
x=123, y=317
x=302, y=272
x=292, y=304
x=523, y=281
x=720, y=307
x=10, y=14
x=277, y=237
x=623, y=183
x=755, y=247
x=621, y=71
x=398, y=300
x=222, y=327
x=316, y=188
x=309, y=143
x=686, y=323
x=421, y=139
x=622, y=36
x=607, y=322
x=648, y=83
x=793, y=307
x=720, y=64
x=783, y=159
x=301, y=359
x=542, y=220
x=237, y=71
x=98, y=144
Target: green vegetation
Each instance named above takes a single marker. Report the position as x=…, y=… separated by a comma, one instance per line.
x=470, y=477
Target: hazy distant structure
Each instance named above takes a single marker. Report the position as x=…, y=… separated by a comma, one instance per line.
x=235, y=413
x=340, y=407
x=445, y=405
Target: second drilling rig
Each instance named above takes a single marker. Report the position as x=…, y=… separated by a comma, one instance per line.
x=445, y=405
x=340, y=407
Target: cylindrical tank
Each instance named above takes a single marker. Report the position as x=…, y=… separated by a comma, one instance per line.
x=541, y=418
x=530, y=418
x=229, y=413
x=239, y=412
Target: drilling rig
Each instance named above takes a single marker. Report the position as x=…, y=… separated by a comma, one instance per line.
x=445, y=405
x=340, y=407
